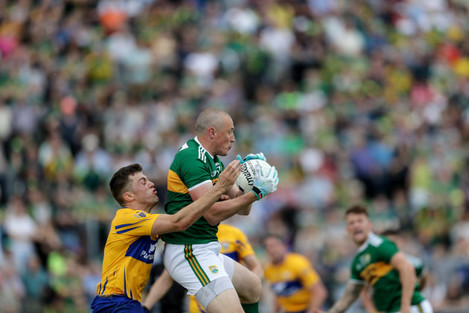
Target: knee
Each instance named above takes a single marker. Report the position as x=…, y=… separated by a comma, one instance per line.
x=252, y=291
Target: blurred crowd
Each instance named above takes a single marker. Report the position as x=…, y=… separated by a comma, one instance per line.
x=363, y=101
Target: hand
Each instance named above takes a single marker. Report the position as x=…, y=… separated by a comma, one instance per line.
x=251, y=156
x=228, y=176
x=264, y=185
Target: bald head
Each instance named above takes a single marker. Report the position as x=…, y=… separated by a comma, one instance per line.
x=215, y=131
x=210, y=118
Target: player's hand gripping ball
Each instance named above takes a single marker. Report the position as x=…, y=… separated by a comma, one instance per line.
x=245, y=180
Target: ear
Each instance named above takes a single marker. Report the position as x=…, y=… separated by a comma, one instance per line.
x=128, y=196
x=212, y=132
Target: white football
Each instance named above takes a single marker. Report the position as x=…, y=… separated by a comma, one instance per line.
x=248, y=172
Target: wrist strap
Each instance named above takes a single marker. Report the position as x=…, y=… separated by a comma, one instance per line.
x=257, y=192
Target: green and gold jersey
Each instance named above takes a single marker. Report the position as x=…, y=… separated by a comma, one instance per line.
x=371, y=264
x=192, y=166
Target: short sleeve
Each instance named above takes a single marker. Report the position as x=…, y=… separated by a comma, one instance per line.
x=354, y=273
x=386, y=250
x=243, y=247
x=135, y=223
x=306, y=272
x=194, y=173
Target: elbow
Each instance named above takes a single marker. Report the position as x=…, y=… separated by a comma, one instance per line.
x=181, y=226
x=212, y=220
x=325, y=294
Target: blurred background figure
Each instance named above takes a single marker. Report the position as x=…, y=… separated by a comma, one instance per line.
x=295, y=283
x=363, y=102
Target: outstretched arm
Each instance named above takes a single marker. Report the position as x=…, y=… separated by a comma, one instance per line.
x=184, y=218
x=263, y=185
x=159, y=288
x=351, y=293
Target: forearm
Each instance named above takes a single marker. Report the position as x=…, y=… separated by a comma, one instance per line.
x=158, y=290
x=318, y=296
x=223, y=210
x=245, y=211
x=253, y=264
x=351, y=293
x=408, y=280
x=191, y=213
x=366, y=301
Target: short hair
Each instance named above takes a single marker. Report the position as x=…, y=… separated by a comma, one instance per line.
x=356, y=209
x=208, y=118
x=119, y=182
x=390, y=232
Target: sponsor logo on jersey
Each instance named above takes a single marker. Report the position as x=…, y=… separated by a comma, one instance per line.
x=150, y=255
x=213, y=269
x=143, y=249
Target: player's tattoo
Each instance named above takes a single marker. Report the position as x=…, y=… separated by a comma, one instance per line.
x=351, y=293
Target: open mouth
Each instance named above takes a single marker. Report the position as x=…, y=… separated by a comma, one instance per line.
x=358, y=232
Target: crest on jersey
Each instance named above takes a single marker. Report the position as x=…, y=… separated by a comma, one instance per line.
x=213, y=269
x=364, y=260
x=140, y=214
x=217, y=170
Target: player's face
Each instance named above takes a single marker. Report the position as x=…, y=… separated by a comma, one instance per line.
x=224, y=137
x=144, y=190
x=275, y=249
x=358, y=227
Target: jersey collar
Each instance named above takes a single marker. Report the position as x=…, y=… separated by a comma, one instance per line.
x=365, y=244
x=197, y=140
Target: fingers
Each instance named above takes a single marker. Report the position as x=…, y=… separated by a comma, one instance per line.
x=233, y=169
x=272, y=173
x=258, y=171
x=234, y=165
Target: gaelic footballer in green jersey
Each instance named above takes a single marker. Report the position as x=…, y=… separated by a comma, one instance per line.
x=192, y=166
x=372, y=265
x=380, y=264
x=193, y=257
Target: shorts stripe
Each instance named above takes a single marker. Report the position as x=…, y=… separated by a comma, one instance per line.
x=419, y=306
x=194, y=264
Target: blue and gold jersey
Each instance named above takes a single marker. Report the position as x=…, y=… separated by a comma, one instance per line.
x=128, y=254
x=233, y=242
x=291, y=281
x=235, y=245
